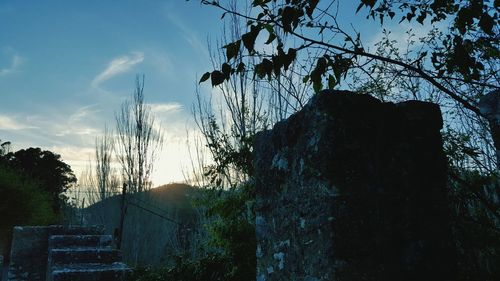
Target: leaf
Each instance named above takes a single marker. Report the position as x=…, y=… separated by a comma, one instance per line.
x=271, y=38
x=305, y=79
x=226, y=70
x=310, y=8
x=422, y=17
x=289, y=58
x=290, y=18
x=359, y=7
x=317, y=73
x=249, y=38
x=277, y=63
x=317, y=86
x=232, y=49
x=363, y=3
x=331, y=82
x=486, y=23
x=409, y=16
x=268, y=67
x=217, y=78
x=264, y=68
x=205, y=77
x=240, y=68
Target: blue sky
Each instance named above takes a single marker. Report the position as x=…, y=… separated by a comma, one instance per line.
x=66, y=66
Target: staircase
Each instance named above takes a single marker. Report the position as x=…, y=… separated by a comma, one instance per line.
x=84, y=257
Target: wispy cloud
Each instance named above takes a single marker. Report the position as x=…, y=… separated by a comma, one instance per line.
x=191, y=37
x=9, y=123
x=16, y=62
x=117, y=66
x=82, y=122
x=160, y=60
x=78, y=131
x=161, y=108
x=83, y=112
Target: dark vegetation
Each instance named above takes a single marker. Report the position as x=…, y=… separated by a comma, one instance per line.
x=228, y=253
x=165, y=217
x=452, y=67
x=32, y=183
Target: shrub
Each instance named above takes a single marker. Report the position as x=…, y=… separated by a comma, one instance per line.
x=22, y=202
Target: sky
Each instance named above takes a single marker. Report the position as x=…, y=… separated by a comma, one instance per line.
x=66, y=66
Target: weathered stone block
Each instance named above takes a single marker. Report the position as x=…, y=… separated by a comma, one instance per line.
x=79, y=241
x=84, y=255
x=28, y=257
x=116, y=272
x=351, y=188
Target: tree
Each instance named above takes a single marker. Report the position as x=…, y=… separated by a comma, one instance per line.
x=138, y=140
x=107, y=183
x=453, y=65
x=466, y=52
x=457, y=60
x=23, y=201
x=4, y=147
x=53, y=175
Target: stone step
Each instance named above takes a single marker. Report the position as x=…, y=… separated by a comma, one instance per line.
x=91, y=272
x=75, y=230
x=29, y=251
x=83, y=255
x=78, y=241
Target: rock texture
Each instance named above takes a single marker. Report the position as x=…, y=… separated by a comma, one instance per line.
x=351, y=188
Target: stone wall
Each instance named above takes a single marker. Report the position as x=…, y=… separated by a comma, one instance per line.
x=351, y=188
x=28, y=256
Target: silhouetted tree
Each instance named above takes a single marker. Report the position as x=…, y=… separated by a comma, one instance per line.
x=22, y=202
x=138, y=141
x=53, y=175
x=4, y=147
x=454, y=64
x=107, y=183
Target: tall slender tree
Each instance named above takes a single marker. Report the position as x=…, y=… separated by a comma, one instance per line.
x=106, y=183
x=139, y=139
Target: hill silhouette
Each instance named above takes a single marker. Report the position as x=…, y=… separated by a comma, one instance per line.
x=159, y=223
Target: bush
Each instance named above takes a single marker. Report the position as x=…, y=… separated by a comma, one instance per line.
x=230, y=249
x=22, y=202
x=213, y=267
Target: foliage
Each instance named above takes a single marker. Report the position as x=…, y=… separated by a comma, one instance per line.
x=230, y=250
x=474, y=208
x=229, y=156
x=52, y=174
x=4, y=147
x=458, y=63
x=233, y=230
x=472, y=34
x=209, y=268
x=476, y=229
x=466, y=51
x=22, y=202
